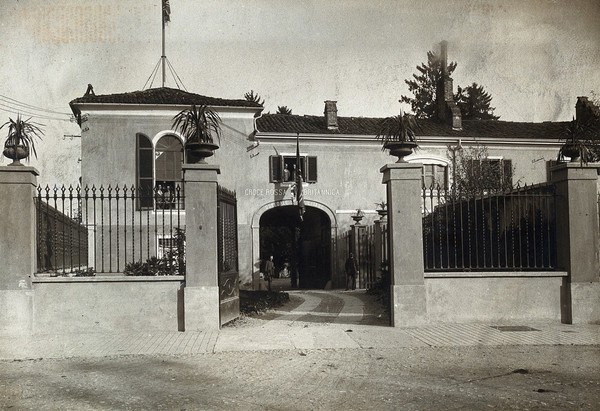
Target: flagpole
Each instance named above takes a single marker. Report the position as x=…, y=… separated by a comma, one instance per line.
x=163, y=56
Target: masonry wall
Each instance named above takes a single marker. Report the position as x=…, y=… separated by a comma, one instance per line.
x=106, y=304
x=501, y=297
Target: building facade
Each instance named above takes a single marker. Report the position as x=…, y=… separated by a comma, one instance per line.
x=128, y=140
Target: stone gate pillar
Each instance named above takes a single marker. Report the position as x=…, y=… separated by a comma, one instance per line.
x=578, y=240
x=201, y=293
x=18, y=258
x=408, y=296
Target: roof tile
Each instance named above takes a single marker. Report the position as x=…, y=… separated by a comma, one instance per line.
x=162, y=95
x=285, y=123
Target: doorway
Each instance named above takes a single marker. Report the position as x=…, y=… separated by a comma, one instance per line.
x=299, y=247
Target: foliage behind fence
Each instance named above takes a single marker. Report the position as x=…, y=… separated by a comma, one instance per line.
x=62, y=241
x=513, y=230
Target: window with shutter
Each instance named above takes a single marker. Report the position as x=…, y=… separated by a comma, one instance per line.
x=275, y=169
x=311, y=169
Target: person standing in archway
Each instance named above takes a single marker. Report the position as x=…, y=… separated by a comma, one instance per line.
x=351, y=272
x=269, y=271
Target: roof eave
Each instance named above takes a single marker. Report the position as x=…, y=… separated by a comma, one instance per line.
x=429, y=140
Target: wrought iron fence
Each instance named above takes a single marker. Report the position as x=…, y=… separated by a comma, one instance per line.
x=513, y=230
x=125, y=229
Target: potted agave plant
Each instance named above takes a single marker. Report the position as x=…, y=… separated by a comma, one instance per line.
x=581, y=141
x=381, y=209
x=199, y=126
x=20, y=141
x=397, y=134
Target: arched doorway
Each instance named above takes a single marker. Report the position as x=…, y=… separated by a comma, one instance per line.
x=305, y=245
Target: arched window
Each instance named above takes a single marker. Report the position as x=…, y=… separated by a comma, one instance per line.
x=158, y=167
x=435, y=170
x=168, y=158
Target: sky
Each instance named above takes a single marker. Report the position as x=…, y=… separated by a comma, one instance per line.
x=534, y=57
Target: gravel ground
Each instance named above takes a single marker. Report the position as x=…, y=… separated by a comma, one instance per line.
x=510, y=377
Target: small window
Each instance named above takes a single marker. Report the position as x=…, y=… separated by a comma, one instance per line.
x=435, y=176
x=283, y=169
x=491, y=174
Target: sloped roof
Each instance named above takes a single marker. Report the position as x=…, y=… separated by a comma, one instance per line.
x=162, y=95
x=283, y=123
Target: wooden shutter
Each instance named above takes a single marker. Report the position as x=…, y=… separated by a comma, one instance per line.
x=275, y=169
x=311, y=169
x=145, y=171
x=507, y=173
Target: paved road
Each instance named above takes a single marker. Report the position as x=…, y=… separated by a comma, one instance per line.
x=322, y=351
x=311, y=320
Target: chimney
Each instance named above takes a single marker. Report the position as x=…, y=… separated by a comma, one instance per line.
x=444, y=58
x=447, y=109
x=331, y=115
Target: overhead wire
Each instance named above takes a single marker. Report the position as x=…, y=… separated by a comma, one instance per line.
x=30, y=106
x=13, y=110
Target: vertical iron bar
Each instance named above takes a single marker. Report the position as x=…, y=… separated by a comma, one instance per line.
x=425, y=232
x=445, y=196
x=102, y=226
x=110, y=207
x=125, y=226
x=118, y=228
x=71, y=227
x=498, y=246
x=63, y=231
x=148, y=223
x=475, y=239
x=441, y=247
x=140, y=202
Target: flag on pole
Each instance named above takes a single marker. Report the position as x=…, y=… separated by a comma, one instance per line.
x=166, y=10
x=299, y=194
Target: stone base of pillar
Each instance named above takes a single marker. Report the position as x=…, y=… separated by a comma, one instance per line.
x=585, y=303
x=409, y=305
x=17, y=311
x=201, y=308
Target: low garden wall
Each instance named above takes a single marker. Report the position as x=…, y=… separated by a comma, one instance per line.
x=493, y=296
x=107, y=304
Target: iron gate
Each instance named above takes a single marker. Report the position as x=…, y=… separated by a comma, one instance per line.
x=229, y=292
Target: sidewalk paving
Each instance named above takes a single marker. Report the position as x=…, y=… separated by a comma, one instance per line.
x=290, y=335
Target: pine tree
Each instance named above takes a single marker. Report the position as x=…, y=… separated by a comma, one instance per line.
x=424, y=86
x=474, y=103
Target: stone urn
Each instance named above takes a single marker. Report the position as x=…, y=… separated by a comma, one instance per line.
x=401, y=149
x=16, y=153
x=571, y=150
x=197, y=153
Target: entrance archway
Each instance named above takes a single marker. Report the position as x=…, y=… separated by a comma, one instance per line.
x=311, y=249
